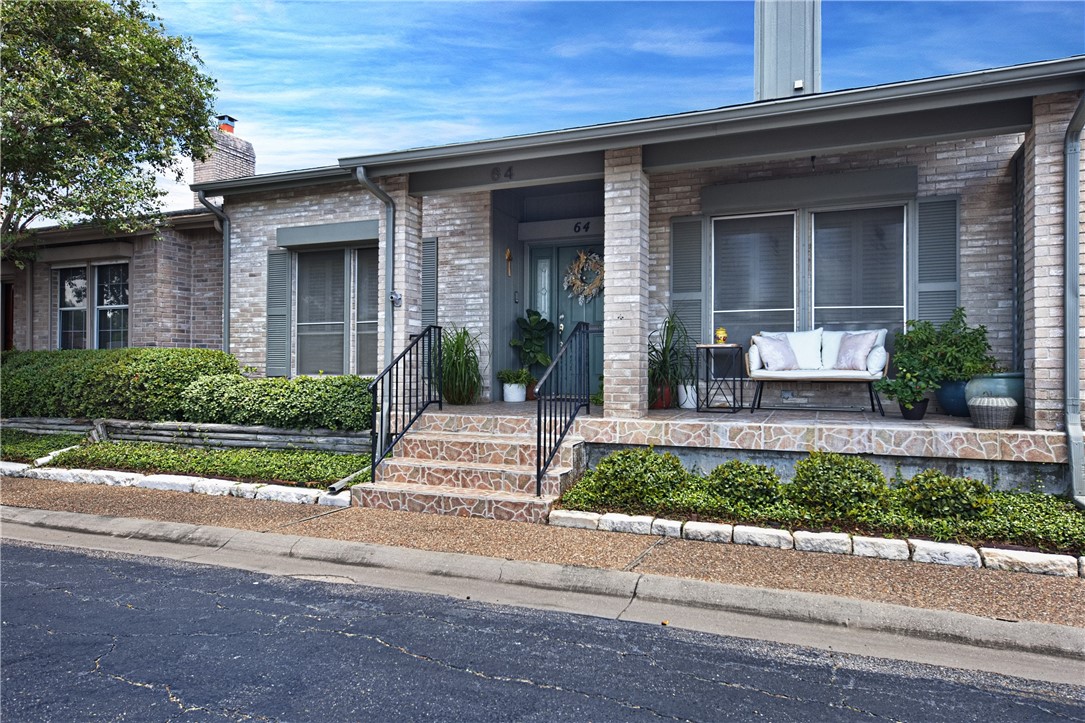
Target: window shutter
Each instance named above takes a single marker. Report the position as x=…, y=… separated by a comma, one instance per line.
x=277, y=360
x=429, y=281
x=687, y=275
x=937, y=276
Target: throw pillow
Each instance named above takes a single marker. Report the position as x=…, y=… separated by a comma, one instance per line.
x=776, y=354
x=875, y=363
x=854, y=349
x=807, y=348
x=830, y=347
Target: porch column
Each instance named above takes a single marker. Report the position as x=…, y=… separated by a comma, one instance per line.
x=1044, y=240
x=408, y=267
x=625, y=293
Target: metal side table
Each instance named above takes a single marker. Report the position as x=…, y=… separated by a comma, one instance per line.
x=720, y=372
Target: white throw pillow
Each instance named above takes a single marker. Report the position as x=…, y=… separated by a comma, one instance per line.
x=875, y=362
x=807, y=348
x=854, y=350
x=776, y=353
x=830, y=347
x=881, y=334
x=755, y=357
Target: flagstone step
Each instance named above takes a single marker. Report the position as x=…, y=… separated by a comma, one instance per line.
x=517, y=450
x=439, y=500
x=448, y=421
x=471, y=475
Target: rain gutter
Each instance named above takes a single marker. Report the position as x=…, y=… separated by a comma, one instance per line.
x=392, y=299
x=225, y=221
x=1072, y=295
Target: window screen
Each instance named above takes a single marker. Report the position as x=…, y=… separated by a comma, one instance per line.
x=321, y=318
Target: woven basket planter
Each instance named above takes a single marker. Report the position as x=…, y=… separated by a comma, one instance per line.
x=992, y=412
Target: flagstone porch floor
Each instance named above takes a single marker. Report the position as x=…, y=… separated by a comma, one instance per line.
x=849, y=432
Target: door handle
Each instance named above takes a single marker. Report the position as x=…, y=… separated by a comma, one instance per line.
x=561, y=328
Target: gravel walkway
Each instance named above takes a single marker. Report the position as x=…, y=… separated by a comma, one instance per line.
x=987, y=593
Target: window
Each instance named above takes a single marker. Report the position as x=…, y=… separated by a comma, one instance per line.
x=846, y=272
x=107, y=307
x=322, y=310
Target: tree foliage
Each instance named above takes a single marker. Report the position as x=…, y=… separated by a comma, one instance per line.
x=96, y=100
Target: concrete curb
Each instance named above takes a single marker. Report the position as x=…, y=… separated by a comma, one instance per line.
x=1038, y=638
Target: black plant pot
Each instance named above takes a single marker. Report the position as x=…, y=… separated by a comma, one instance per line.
x=917, y=412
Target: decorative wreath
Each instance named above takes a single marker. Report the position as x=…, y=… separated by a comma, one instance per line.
x=584, y=278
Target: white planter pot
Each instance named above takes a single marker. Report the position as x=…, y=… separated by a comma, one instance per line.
x=514, y=392
x=687, y=396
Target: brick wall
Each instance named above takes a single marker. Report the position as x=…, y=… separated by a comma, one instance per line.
x=1044, y=249
x=254, y=220
x=231, y=157
x=462, y=224
x=625, y=296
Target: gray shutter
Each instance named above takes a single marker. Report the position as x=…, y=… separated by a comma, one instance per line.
x=687, y=275
x=429, y=281
x=937, y=276
x=277, y=361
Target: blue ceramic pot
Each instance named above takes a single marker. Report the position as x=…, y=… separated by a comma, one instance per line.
x=1006, y=384
x=951, y=398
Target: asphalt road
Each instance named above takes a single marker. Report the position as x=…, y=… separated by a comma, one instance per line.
x=116, y=637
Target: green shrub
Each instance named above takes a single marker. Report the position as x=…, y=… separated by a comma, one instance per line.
x=19, y=446
x=744, y=484
x=300, y=467
x=638, y=479
x=335, y=402
x=935, y=494
x=833, y=486
x=114, y=383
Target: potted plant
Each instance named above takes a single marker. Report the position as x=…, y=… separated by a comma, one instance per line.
x=915, y=370
x=670, y=363
x=460, y=375
x=960, y=352
x=533, y=344
x=514, y=383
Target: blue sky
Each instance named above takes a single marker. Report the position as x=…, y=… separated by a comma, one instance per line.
x=310, y=82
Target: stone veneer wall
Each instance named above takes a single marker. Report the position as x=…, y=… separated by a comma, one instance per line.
x=254, y=221
x=462, y=224
x=1043, y=263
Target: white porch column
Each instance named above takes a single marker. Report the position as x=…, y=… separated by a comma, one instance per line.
x=625, y=294
x=408, y=267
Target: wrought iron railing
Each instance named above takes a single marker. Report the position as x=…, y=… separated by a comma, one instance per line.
x=403, y=390
x=561, y=393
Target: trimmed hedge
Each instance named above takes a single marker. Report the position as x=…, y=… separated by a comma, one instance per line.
x=336, y=402
x=831, y=492
x=133, y=383
x=303, y=468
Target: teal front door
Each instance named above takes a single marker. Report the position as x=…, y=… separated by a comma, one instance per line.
x=550, y=265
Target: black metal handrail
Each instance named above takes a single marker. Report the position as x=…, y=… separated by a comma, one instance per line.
x=561, y=393
x=403, y=390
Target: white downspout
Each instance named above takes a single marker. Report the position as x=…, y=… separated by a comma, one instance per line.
x=224, y=220
x=1072, y=322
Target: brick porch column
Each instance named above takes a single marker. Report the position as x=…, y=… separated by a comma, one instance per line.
x=408, y=267
x=1044, y=249
x=625, y=295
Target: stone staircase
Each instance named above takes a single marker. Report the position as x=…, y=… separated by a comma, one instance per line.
x=471, y=464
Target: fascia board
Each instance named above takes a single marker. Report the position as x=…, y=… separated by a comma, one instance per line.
x=275, y=181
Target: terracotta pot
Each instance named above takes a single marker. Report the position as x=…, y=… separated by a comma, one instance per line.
x=663, y=398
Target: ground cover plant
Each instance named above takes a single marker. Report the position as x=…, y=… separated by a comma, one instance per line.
x=19, y=446
x=303, y=468
x=830, y=492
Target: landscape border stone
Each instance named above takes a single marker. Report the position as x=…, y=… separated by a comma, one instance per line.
x=763, y=537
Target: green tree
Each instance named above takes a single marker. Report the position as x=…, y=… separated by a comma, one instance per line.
x=95, y=100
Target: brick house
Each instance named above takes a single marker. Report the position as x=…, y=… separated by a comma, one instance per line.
x=962, y=177
x=158, y=286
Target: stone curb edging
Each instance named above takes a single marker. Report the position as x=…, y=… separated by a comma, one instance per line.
x=179, y=483
x=1029, y=637
x=840, y=543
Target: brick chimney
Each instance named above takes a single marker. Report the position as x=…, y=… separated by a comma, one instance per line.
x=231, y=157
x=787, y=48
